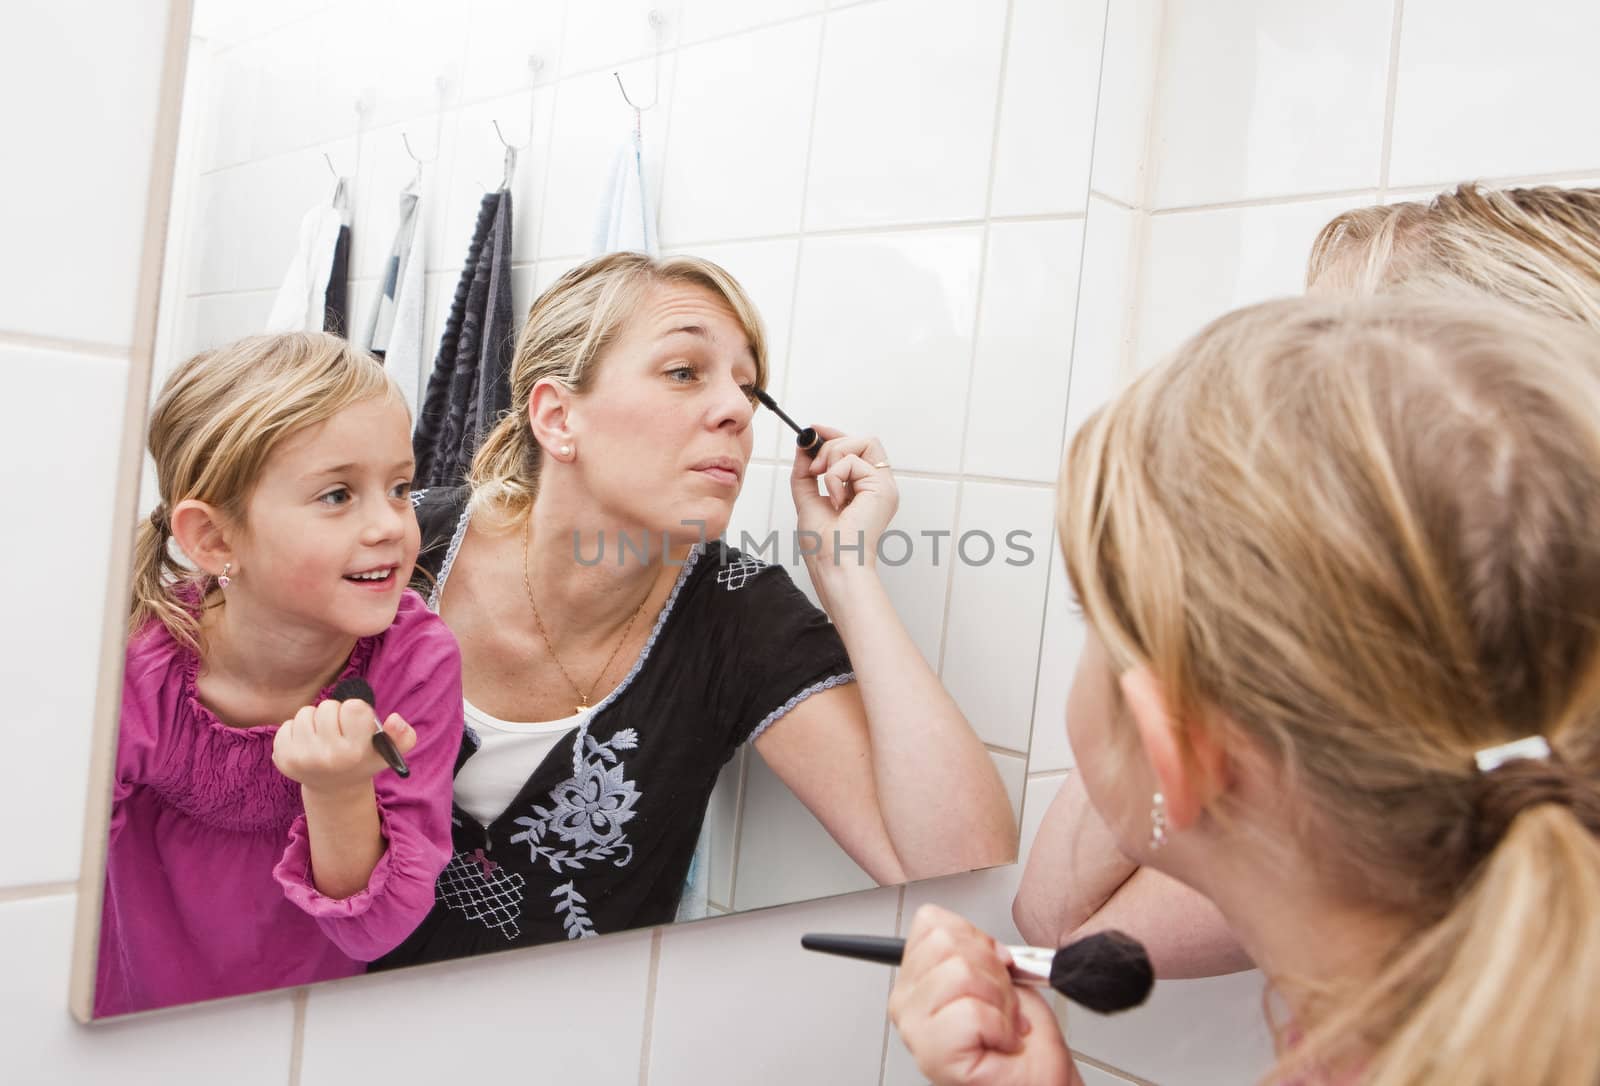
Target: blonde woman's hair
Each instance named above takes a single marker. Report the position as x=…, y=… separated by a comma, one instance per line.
x=569, y=327
x=1538, y=248
x=1359, y=540
x=219, y=418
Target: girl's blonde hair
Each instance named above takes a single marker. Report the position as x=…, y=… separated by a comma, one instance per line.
x=1535, y=247
x=1359, y=540
x=569, y=327
x=219, y=417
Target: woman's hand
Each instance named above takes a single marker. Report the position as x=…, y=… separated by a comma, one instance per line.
x=856, y=501
x=963, y=1019
x=328, y=747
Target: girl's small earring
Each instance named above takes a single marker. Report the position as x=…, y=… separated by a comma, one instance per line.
x=223, y=580
x=1158, y=821
x=566, y=450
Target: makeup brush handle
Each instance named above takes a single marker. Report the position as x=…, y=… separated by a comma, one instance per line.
x=869, y=948
x=809, y=441
x=1029, y=965
x=385, y=747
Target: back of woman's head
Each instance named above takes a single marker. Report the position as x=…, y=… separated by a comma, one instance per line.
x=1361, y=538
x=569, y=327
x=219, y=418
x=1538, y=248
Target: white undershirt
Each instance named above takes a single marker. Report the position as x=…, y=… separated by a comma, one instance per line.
x=508, y=753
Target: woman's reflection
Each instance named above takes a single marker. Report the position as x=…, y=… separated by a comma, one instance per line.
x=615, y=653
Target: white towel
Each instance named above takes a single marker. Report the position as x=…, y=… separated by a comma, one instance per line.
x=302, y=299
x=625, y=221
x=395, y=328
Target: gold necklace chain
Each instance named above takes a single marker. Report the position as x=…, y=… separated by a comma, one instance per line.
x=527, y=532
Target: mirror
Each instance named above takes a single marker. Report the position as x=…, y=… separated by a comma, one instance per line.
x=900, y=190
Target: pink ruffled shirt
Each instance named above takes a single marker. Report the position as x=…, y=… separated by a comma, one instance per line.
x=208, y=890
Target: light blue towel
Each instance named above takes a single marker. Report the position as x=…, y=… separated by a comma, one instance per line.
x=625, y=220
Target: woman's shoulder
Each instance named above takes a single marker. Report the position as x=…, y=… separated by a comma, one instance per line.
x=438, y=509
x=731, y=584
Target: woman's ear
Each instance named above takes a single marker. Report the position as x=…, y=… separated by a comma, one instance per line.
x=1189, y=763
x=202, y=534
x=549, y=415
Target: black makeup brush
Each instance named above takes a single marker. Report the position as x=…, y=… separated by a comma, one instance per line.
x=805, y=437
x=1106, y=972
x=354, y=688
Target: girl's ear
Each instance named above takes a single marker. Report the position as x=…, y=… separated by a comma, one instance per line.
x=202, y=535
x=1190, y=764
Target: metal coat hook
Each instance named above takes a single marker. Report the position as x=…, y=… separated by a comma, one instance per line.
x=338, y=179
x=511, y=155
x=535, y=64
x=656, y=24
x=421, y=162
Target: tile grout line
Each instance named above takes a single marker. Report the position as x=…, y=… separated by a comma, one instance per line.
x=29, y=341
x=977, y=322
x=888, y=1025
x=1066, y=400
x=650, y=1006
x=34, y=891
x=800, y=235
x=1261, y=201
x=1390, y=94
x=297, y=1036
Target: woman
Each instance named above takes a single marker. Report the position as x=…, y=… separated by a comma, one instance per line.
x=1538, y=248
x=1343, y=678
x=615, y=654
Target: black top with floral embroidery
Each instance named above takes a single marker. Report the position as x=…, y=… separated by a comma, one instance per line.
x=600, y=837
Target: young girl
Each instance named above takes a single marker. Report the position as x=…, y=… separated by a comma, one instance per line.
x=257, y=837
x=1339, y=565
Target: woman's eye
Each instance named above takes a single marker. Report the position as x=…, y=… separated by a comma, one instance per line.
x=401, y=490
x=335, y=497
x=749, y=392
x=681, y=374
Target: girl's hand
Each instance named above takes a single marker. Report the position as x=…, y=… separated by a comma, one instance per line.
x=963, y=1019
x=856, y=501
x=328, y=747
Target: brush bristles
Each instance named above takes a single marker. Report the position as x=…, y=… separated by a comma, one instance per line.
x=1106, y=972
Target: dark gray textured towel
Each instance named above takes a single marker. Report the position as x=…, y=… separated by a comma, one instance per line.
x=470, y=387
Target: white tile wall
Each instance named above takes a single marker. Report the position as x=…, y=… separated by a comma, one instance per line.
x=53, y=546
x=1047, y=107
x=1127, y=98
x=741, y=119
x=737, y=1000
x=245, y=1041
x=1486, y=91
x=1261, y=103
x=1267, y=97
x=905, y=113
x=1064, y=630
x=73, y=241
x=487, y=1018
x=1002, y=562
x=1024, y=350
x=883, y=339
x=1200, y=264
